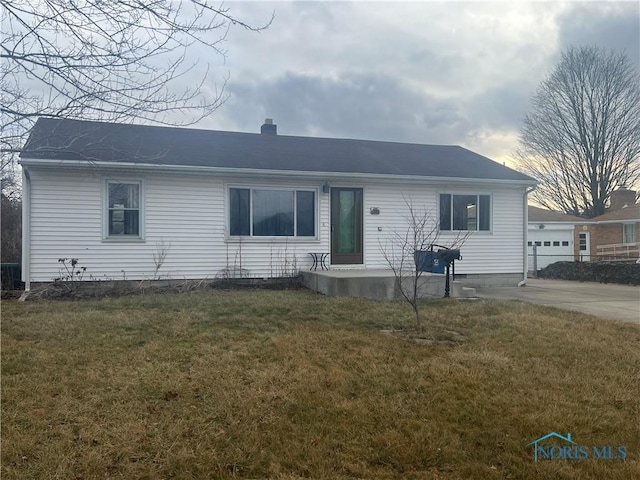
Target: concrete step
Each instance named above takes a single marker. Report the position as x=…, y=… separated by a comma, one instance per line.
x=458, y=290
x=372, y=283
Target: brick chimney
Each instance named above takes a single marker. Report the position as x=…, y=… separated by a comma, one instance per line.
x=268, y=128
x=622, y=197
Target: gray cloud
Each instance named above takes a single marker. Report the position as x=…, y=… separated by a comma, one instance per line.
x=434, y=72
x=376, y=107
x=365, y=106
x=613, y=26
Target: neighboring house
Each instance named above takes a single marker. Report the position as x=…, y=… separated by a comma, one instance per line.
x=223, y=203
x=552, y=234
x=611, y=236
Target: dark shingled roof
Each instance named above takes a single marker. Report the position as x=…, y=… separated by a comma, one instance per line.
x=57, y=139
x=630, y=212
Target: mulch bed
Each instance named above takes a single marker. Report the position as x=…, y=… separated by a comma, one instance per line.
x=65, y=290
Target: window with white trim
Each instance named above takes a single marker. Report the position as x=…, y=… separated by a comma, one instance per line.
x=465, y=212
x=123, y=210
x=628, y=233
x=582, y=237
x=272, y=212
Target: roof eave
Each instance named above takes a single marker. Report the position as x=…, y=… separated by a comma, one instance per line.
x=263, y=172
x=559, y=222
x=620, y=220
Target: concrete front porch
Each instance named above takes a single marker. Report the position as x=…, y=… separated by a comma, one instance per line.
x=378, y=284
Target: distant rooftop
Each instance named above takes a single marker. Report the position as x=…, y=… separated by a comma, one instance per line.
x=630, y=212
x=537, y=214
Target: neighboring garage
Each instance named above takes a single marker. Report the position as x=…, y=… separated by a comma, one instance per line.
x=552, y=234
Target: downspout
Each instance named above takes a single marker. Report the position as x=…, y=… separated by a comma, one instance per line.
x=525, y=227
x=26, y=229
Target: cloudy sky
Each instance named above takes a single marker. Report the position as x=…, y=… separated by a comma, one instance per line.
x=426, y=72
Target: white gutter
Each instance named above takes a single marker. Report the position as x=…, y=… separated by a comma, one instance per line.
x=561, y=223
x=26, y=229
x=525, y=228
x=265, y=172
x=604, y=222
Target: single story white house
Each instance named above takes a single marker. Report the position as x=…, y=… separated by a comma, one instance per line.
x=209, y=203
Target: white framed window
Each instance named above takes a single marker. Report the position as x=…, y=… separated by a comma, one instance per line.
x=267, y=212
x=628, y=233
x=123, y=209
x=465, y=212
x=583, y=242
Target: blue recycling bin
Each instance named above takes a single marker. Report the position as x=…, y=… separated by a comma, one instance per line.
x=428, y=261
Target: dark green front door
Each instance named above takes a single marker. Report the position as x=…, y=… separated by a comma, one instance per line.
x=346, y=226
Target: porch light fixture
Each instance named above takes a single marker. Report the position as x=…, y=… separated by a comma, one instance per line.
x=326, y=188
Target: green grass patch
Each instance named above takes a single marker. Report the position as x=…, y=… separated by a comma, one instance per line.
x=271, y=384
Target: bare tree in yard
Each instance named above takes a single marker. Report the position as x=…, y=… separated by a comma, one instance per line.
x=112, y=60
x=422, y=231
x=581, y=139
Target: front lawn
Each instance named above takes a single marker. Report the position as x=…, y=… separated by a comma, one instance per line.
x=264, y=384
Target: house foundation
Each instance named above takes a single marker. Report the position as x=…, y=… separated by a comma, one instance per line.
x=377, y=284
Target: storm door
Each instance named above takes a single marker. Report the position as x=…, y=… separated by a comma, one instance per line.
x=346, y=226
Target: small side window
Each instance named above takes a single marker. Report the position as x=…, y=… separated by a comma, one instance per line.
x=123, y=209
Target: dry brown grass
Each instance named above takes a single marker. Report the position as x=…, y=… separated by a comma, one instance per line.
x=287, y=385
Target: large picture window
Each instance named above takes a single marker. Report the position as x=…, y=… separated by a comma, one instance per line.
x=465, y=212
x=123, y=209
x=272, y=212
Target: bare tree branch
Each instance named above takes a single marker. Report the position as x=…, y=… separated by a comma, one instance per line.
x=422, y=231
x=116, y=60
x=581, y=139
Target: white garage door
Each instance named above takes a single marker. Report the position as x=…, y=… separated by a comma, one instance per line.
x=552, y=246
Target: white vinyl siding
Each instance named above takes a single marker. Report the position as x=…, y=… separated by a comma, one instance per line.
x=186, y=212
x=188, y=215
x=498, y=251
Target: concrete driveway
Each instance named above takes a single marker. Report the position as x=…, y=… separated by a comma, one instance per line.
x=620, y=302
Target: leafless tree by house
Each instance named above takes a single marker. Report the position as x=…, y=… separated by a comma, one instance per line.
x=581, y=139
x=422, y=231
x=111, y=60
x=159, y=256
